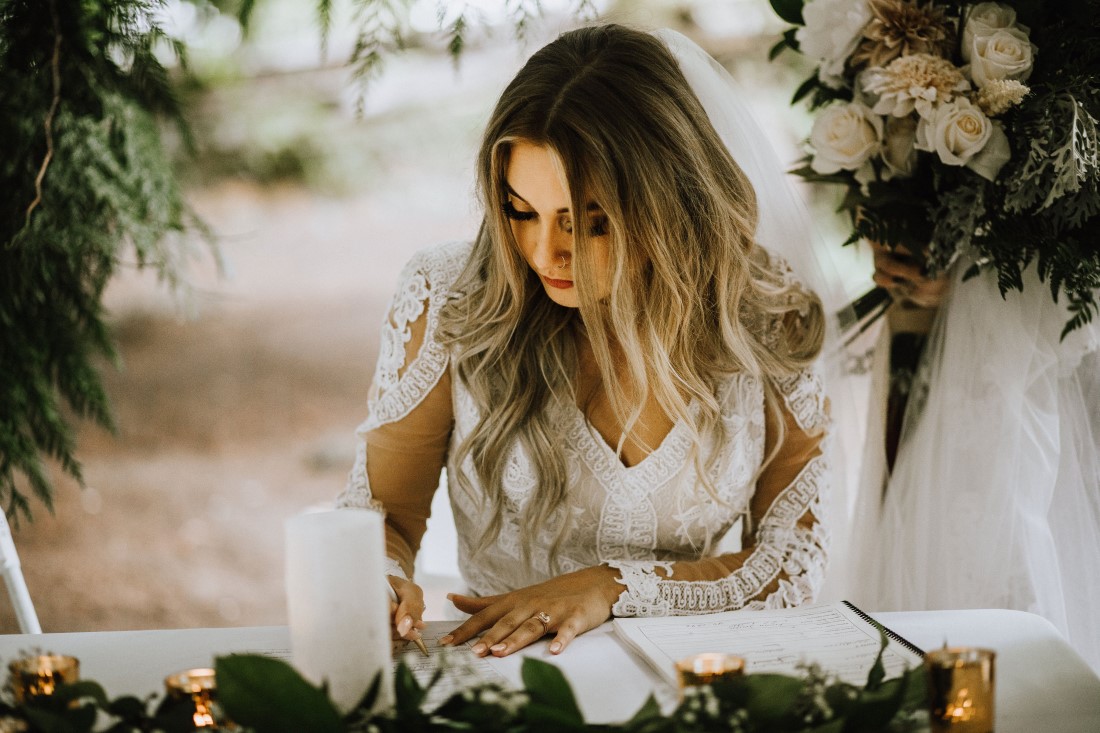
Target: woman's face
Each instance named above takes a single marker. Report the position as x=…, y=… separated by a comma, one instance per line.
x=542, y=222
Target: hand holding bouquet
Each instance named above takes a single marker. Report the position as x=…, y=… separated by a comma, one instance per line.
x=962, y=129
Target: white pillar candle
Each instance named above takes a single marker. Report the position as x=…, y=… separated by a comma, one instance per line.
x=337, y=605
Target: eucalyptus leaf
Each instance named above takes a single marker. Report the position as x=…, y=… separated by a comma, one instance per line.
x=246, y=683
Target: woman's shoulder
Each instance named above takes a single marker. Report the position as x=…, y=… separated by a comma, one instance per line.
x=439, y=265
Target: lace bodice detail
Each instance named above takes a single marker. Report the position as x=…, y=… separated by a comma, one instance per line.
x=640, y=519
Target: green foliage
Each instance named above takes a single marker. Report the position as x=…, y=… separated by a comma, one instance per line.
x=245, y=684
x=87, y=185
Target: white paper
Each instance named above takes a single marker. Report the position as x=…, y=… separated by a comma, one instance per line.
x=781, y=641
x=463, y=668
x=337, y=606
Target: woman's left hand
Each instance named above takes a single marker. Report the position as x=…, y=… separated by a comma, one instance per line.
x=565, y=606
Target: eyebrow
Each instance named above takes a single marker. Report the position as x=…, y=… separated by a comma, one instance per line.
x=592, y=205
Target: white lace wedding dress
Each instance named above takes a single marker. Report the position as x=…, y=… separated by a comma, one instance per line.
x=634, y=518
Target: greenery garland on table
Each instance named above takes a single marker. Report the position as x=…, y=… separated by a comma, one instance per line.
x=265, y=695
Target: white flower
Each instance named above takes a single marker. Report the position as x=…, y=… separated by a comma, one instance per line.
x=899, y=147
x=916, y=82
x=983, y=19
x=844, y=137
x=1005, y=53
x=833, y=30
x=956, y=132
x=989, y=161
x=1000, y=95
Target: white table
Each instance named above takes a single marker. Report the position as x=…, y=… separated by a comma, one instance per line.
x=1042, y=684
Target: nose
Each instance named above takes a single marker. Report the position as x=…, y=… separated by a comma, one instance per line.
x=552, y=247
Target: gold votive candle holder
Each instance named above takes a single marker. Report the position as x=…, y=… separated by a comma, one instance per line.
x=708, y=668
x=961, y=688
x=41, y=674
x=198, y=686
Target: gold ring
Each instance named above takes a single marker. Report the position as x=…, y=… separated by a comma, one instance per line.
x=543, y=618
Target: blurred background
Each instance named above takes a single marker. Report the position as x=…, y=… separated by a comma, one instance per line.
x=238, y=395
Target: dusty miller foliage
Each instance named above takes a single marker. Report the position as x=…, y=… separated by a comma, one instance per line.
x=89, y=185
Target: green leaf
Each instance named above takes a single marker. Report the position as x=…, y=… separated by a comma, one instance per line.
x=127, y=706
x=81, y=690
x=789, y=10
x=787, y=40
x=878, y=671
x=648, y=711
x=548, y=688
x=771, y=696
x=805, y=88
x=270, y=696
x=67, y=720
x=876, y=708
x=408, y=694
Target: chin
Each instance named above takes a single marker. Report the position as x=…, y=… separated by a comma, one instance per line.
x=566, y=298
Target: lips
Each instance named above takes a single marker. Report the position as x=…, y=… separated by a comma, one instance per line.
x=560, y=284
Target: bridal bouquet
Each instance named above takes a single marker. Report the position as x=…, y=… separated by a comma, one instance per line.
x=962, y=129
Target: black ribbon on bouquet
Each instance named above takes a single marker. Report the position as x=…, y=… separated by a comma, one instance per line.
x=862, y=313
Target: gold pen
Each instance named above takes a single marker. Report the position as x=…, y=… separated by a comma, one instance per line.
x=419, y=641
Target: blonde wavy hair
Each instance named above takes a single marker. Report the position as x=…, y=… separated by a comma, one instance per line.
x=692, y=299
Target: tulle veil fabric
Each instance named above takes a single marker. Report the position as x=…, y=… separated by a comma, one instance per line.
x=786, y=228
x=994, y=501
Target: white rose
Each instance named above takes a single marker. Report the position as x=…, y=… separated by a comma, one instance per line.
x=1006, y=53
x=982, y=20
x=832, y=32
x=899, y=147
x=956, y=132
x=990, y=159
x=844, y=137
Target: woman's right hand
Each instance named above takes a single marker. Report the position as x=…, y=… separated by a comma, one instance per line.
x=407, y=612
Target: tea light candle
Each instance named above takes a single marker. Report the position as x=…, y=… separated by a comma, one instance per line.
x=197, y=685
x=960, y=689
x=705, y=669
x=337, y=605
x=42, y=674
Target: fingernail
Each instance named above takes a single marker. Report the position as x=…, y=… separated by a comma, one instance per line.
x=479, y=649
x=555, y=647
x=404, y=625
x=497, y=647
x=446, y=639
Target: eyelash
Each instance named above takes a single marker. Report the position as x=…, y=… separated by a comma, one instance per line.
x=599, y=226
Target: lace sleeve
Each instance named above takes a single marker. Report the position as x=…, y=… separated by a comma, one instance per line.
x=784, y=561
x=409, y=415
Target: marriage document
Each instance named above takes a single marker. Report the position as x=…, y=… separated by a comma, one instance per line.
x=838, y=637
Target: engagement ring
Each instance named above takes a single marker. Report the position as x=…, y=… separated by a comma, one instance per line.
x=543, y=618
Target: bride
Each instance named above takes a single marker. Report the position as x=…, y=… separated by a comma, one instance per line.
x=616, y=373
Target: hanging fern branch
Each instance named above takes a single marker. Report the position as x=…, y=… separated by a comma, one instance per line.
x=101, y=191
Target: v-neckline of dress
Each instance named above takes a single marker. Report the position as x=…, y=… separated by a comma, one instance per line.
x=599, y=444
